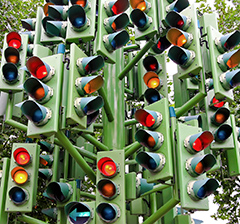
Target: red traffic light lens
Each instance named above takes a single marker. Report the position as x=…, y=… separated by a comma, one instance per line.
x=203, y=141
x=14, y=40
x=180, y=23
x=107, y=167
x=21, y=156
x=19, y=175
x=217, y=103
x=150, y=121
x=41, y=72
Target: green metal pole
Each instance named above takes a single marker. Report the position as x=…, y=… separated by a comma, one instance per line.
x=130, y=122
x=86, y=153
x=30, y=220
x=56, y=154
x=98, y=125
x=188, y=105
x=161, y=211
x=114, y=131
x=75, y=154
x=3, y=190
x=135, y=146
x=153, y=203
x=87, y=195
x=95, y=142
x=66, y=165
x=132, y=47
x=156, y=188
x=128, y=91
x=106, y=106
x=131, y=162
x=138, y=56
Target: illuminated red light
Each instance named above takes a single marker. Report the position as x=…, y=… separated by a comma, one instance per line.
x=217, y=103
x=203, y=141
x=41, y=72
x=150, y=121
x=21, y=156
x=107, y=166
x=159, y=44
x=14, y=40
x=197, y=145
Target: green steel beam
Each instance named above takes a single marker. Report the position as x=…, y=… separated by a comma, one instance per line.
x=95, y=142
x=134, y=147
x=30, y=220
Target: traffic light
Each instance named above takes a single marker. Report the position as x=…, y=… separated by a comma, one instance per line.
x=23, y=176
x=14, y=56
x=80, y=212
x=218, y=120
x=158, y=159
x=83, y=110
x=161, y=45
x=223, y=79
x=192, y=165
x=145, y=18
x=166, y=6
x=45, y=90
x=111, y=34
x=186, y=51
x=110, y=194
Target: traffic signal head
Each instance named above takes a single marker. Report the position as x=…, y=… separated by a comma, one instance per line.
x=177, y=6
x=149, y=119
x=116, y=23
x=77, y=17
x=107, y=167
x=35, y=112
x=140, y=19
x=183, y=57
x=154, y=162
x=150, y=63
x=60, y=192
x=231, y=79
x=175, y=19
x=200, y=164
x=14, y=40
x=115, y=40
x=116, y=7
x=150, y=139
x=89, y=65
x=39, y=69
x=228, y=41
x=22, y=184
x=161, y=45
x=152, y=95
x=38, y=90
x=152, y=80
x=88, y=105
x=198, y=142
x=201, y=189
x=229, y=60
x=79, y=212
x=108, y=212
x=179, y=38
x=58, y=12
x=88, y=85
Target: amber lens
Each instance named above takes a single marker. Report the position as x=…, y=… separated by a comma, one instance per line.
x=19, y=175
x=153, y=83
x=150, y=141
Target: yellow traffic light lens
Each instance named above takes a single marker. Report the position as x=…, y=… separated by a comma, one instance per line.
x=220, y=118
x=153, y=83
x=141, y=6
x=181, y=40
x=108, y=190
x=19, y=175
x=114, y=26
x=199, y=168
x=81, y=2
x=13, y=59
x=151, y=142
x=234, y=60
x=138, y=4
x=39, y=93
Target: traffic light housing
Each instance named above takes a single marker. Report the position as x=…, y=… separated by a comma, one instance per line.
x=218, y=121
x=81, y=22
x=83, y=110
x=223, y=80
x=192, y=165
x=45, y=91
x=145, y=18
x=108, y=38
x=14, y=56
x=110, y=194
x=187, y=50
x=158, y=158
x=23, y=176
